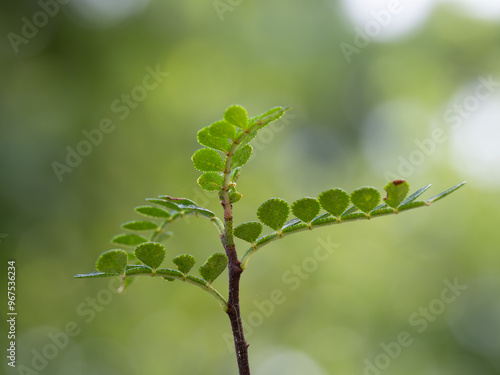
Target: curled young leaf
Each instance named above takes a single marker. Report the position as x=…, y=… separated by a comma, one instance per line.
x=274, y=213
x=306, y=209
x=142, y=225
x=241, y=156
x=213, y=267
x=365, y=198
x=151, y=254
x=207, y=160
x=223, y=129
x=112, y=262
x=184, y=262
x=151, y=211
x=397, y=191
x=234, y=196
x=211, y=181
x=248, y=231
x=334, y=201
x=237, y=115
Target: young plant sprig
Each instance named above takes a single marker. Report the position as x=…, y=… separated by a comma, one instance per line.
x=226, y=150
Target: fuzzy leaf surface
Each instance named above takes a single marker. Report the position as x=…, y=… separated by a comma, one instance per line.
x=397, y=191
x=128, y=239
x=306, y=209
x=184, y=262
x=112, y=262
x=365, y=198
x=205, y=138
x=151, y=211
x=207, y=160
x=211, y=181
x=141, y=225
x=334, y=201
x=151, y=254
x=274, y=213
x=267, y=117
x=213, y=267
x=223, y=129
x=241, y=156
x=249, y=231
x=237, y=115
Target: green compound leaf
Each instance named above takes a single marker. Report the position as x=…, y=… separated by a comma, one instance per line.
x=128, y=239
x=248, y=231
x=211, y=181
x=184, y=262
x=274, y=213
x=113, y=262
x=397, y=191
x=306, y=209
x=205, y=138
x=365, y=198
x=445, y=193
x=334, y=201
x=213, y=267
x=151, y=254
x=154, y=212
x=223, y=129
x=241, y=156
x=142, y=225
x=207, y=160
x=237, y=115
x=267, y=117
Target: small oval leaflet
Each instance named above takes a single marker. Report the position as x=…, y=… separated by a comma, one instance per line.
x=396, y=192
x=207, y=160
x=205, y=138
x=235, y=196
x=223, y=129
x=365, y=198
x=249, y=231
x=241, y=156
x=334, y=201
x=306, y=209
x=184, y=262
x=211, y=181
x=141, y=225
x=151, y=211
x=213, y=267
x=128, y=239
x=151, y=254
x=274, y=213
x=113, y=262
x=237, y=115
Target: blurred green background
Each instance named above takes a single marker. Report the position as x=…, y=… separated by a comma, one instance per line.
x=379, y=90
